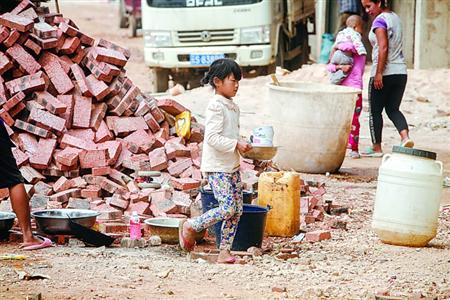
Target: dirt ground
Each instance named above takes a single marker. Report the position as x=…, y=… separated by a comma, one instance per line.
x=354, y=264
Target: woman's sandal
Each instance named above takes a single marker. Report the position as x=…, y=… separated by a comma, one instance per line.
x=371, y=153
x=230, y=260
x=185, y=244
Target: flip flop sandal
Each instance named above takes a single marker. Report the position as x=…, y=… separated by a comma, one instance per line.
x=408, y=143
x=370, y=153
x=230, y=260
x=184, y=243
x=45, y=244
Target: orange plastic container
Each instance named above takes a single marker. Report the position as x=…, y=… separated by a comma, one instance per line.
x=281, y=191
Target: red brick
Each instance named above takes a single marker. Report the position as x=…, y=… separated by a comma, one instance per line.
x=23, y=5
x=62, y=184
x=112, y=187
x=41, y=159
x=185, y=184
x=317, y=236
x=140, y=140
x=5, y=63
x=129, y=124
x=87, y=135
x=33, y=46
x=22, y=24
x=175, y=149
x=93, y=180
x=93, y=158
x=21, y=158
x=67, y=29
x=126, y=101
x=13, y=101
x=29, y=13
x=152, y=123
x=6, y=117
x=197, y=135
x=113, y=228
x=70, y=45
x=124, y=155
x=182, y=201
x=97, y=115
x=41, y=188
x=78, y=203
x=158, y=159
x=91, y=191
x=85, y=39
x=50, y=103
x=109, y=56
x=4, y=33
x=56, y=73
x=65, y=195
x=114, y=149
x=82, y=112
x=99, y=171
x=80, y=78
x=26, y=84
x=44, y=44
x=14, y=35
x=30, y=174
x=119, y=177
x=68, y=101
x=72, y=141
x=176, y=168
x=107, y=44
x=142, y=208
x=30, y=128
x=78, y=56
x=65, y=63
x=97, y=88
x=118, y=202
x=23, y=58
x=27, y=142
x=44, y=30
x=68, y=156
x=47, y=119
x=161, y=203
x=103, y=134
x=197, y=174
x=171, y=106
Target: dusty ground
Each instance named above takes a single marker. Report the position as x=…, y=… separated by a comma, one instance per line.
x=354, y=264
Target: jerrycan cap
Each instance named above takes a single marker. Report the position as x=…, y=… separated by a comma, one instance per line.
x=414, y=152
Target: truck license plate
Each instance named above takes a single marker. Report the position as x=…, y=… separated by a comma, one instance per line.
x=204, y=59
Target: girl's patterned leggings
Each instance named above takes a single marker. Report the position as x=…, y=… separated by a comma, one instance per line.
x=353, y=138
x=228, y=192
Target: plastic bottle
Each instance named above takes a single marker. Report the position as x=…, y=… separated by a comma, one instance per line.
x=135, y=227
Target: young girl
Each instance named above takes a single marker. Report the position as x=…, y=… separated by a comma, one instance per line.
x=220, y=159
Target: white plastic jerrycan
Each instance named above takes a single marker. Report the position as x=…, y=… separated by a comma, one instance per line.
x=408, y=197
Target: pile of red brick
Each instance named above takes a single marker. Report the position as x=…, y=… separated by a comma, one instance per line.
x=82, y=128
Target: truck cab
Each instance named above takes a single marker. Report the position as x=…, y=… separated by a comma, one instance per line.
x=183, y=37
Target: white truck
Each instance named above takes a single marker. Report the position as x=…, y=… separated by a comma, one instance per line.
x=182, y=37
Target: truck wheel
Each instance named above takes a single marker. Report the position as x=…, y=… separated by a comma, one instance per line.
x=132, y=26
x=123, y=19
x=160, y=79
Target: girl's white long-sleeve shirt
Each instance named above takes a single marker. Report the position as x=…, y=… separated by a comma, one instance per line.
x=221, y=136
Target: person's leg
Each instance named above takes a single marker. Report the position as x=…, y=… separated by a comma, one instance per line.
x=396, y=85
x=221, y=185
x=376, y=103
x=229, y=226
x=21, y=207
x=353, y=138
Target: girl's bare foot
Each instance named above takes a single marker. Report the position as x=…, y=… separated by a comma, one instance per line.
x=30, y=241
x=187, y=236
x=225, y=257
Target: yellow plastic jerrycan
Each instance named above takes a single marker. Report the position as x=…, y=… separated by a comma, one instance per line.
x=281, y=191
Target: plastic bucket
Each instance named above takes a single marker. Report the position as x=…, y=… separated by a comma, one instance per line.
x=251, y=225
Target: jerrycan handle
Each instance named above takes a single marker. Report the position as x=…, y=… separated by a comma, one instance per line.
x=441, y=166
x=385, y=157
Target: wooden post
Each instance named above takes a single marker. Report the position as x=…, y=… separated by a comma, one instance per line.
x=57, y=6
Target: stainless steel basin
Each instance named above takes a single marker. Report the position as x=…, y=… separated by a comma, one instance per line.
x=56, y=221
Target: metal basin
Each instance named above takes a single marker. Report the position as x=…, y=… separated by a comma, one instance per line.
x=6, y=223
x=167, y=229
x=56, y=221
x=260, y=153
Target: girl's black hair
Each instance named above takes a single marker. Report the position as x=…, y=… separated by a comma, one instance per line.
x=383, y=4
x=221, y=68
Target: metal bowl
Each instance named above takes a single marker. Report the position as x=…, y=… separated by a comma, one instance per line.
x=167, y=229
x=6, y=222
x=56, y=221
x=260, y=153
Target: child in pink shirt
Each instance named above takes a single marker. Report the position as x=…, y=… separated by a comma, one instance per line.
x=353, y=79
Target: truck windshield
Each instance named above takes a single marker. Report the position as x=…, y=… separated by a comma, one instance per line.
x=198, y=3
